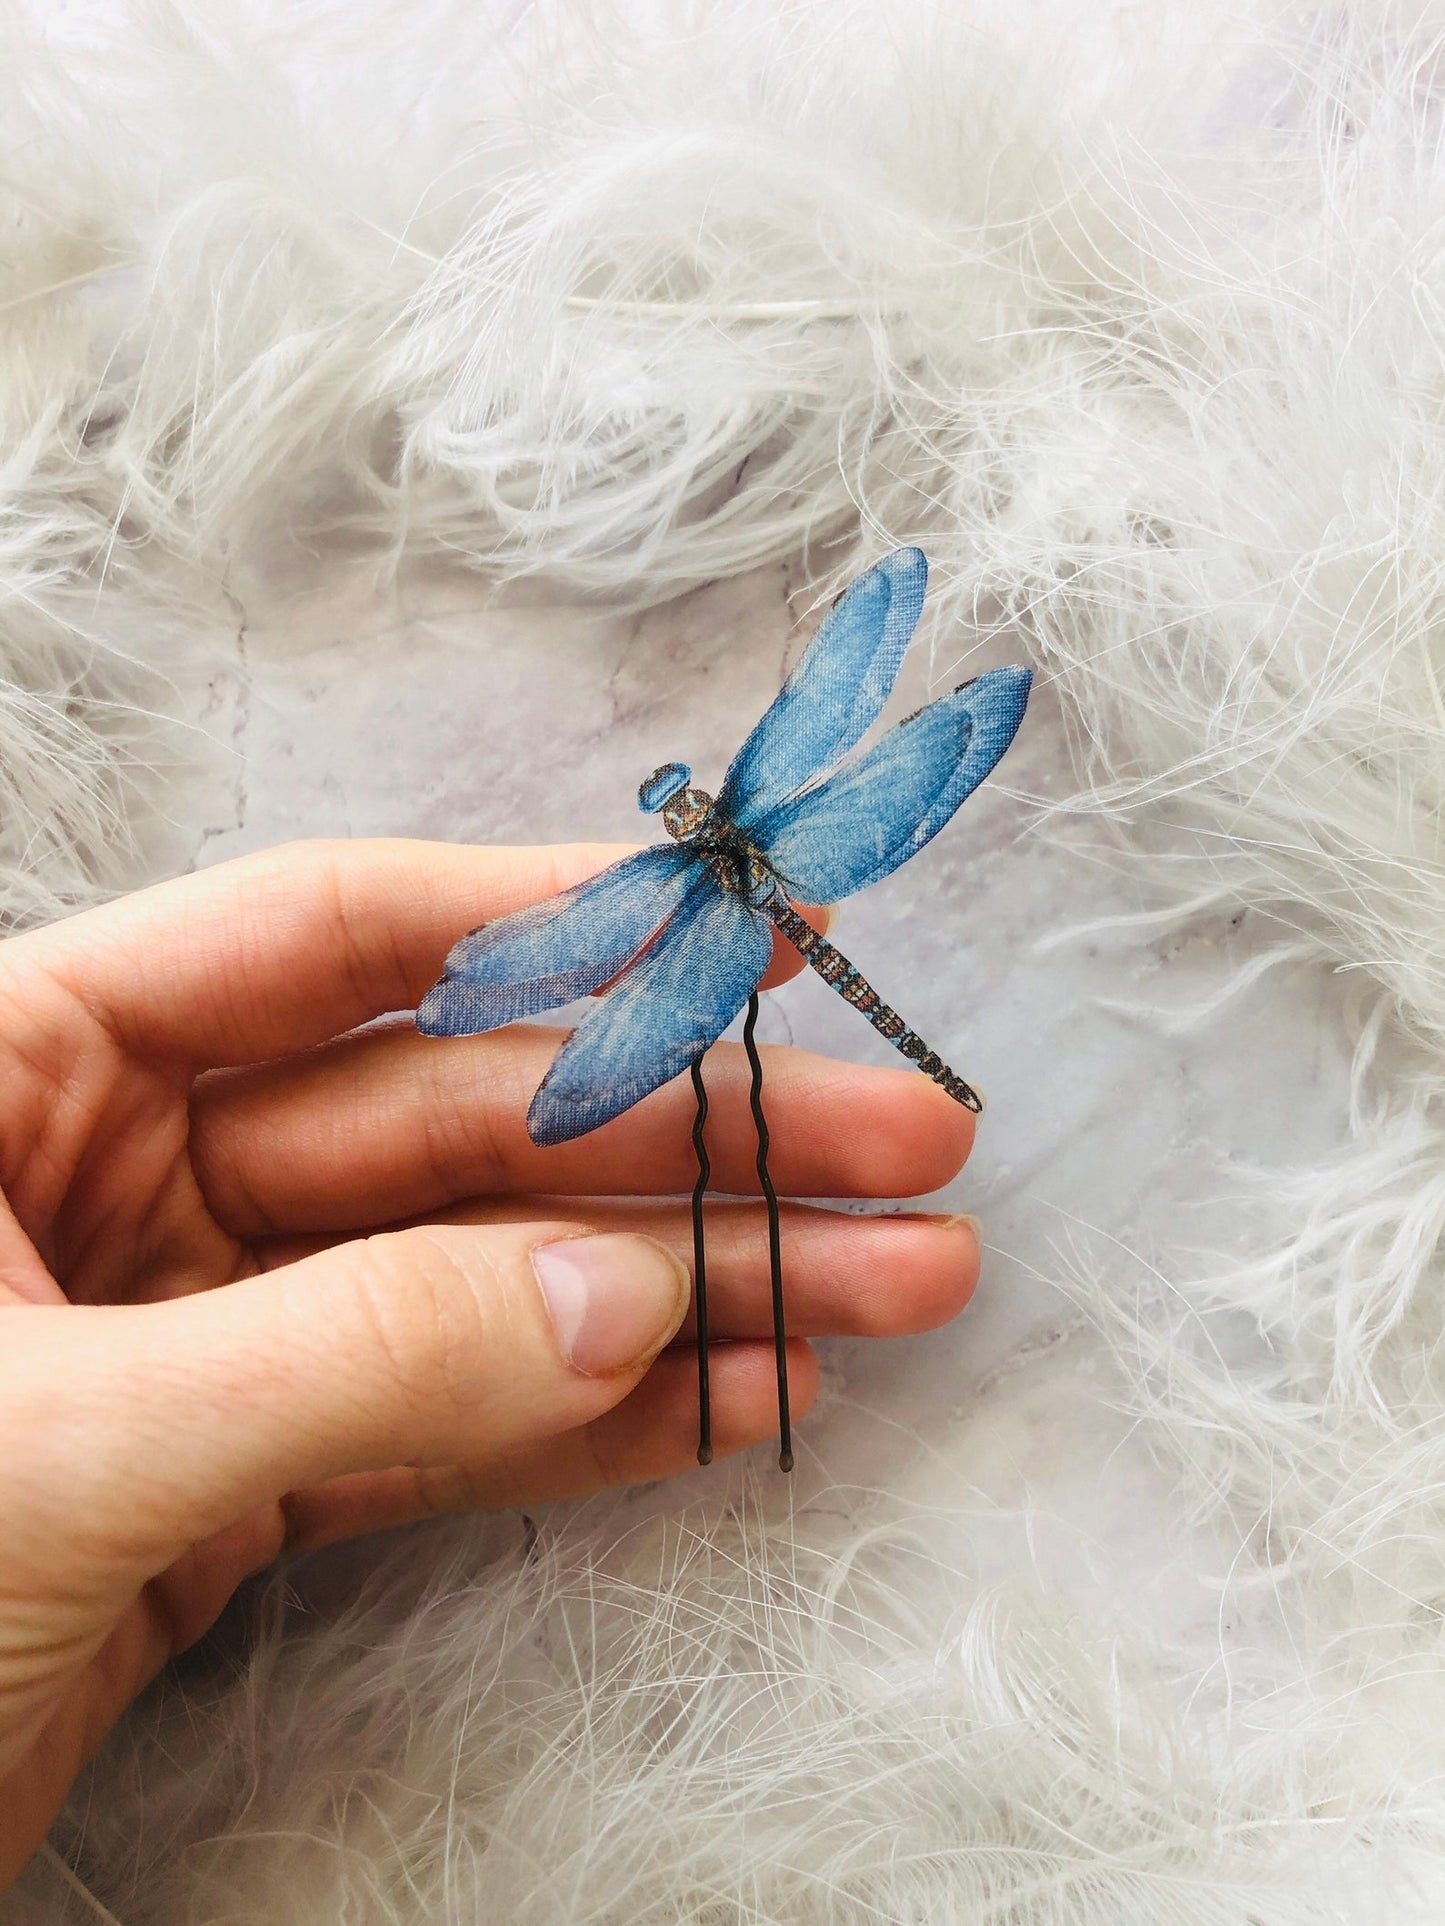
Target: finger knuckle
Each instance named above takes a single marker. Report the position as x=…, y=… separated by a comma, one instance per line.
x=429, y=1318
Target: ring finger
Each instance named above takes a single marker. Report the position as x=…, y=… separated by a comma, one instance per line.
x=846, y=1275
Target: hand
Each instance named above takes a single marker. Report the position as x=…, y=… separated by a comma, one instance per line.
x=268, y=1279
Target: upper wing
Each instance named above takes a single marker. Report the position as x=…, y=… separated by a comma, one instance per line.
x=881, y=809
x=659, y=1018
x=549, y=953
x=837, y=690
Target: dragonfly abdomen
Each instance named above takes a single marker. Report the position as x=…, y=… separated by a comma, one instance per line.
x=851, y=984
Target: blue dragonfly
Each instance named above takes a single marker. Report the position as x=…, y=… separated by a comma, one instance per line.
x=681, y=932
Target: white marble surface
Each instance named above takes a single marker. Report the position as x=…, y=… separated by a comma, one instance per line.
x=1112, y=1120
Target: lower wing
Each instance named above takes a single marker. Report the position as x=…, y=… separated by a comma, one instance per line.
x=550, y=953
x=878, y=810
x=659, y=1018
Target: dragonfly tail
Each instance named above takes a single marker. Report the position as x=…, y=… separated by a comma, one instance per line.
x=850, y=983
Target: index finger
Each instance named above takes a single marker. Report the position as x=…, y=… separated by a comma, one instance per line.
x=271, y=953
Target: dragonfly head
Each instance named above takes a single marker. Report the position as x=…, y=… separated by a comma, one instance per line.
x=686, y=812
x=661, y=786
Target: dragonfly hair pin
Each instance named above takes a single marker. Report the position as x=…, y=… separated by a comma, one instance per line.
x=682, y=932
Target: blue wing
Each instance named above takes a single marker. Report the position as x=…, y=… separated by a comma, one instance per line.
x=880, y=809
x=659, y=1018
x=544, y=956
x=837, y=691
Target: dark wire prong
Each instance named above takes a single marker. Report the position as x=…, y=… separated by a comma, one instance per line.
x=699, y=1269
x=775, y=1237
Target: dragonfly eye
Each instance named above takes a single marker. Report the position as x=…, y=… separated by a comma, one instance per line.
x=662, y=785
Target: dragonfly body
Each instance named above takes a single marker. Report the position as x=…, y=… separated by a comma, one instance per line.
x=692, y=816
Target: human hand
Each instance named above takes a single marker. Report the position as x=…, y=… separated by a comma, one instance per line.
x=187, y=1104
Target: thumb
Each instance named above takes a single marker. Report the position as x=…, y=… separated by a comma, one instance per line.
x=437, y=1345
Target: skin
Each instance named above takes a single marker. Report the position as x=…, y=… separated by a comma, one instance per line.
x=267, y=1281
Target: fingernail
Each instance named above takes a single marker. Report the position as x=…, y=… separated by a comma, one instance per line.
x=946, y=1220
x=612, y=1299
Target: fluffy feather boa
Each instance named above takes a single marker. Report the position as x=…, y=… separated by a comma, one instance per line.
x=637, y=302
